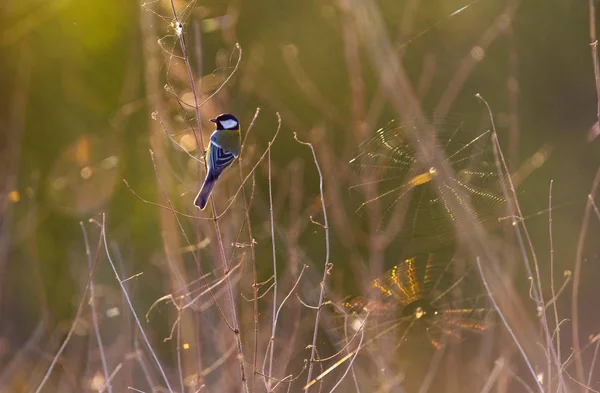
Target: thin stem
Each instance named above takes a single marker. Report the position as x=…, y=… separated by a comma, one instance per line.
x=76, y=317
x=515, y=210
x=577, y=276
x=510, y=331
x=231, y=299
x=592, y=366
x=491, y=379
x=274, y=316
x=198, y=134
x=276, y=319
x=126, y=295
x=552, y=287
x=94, y=315
x=247, y=205
x=594, y=46
x=350, y=365
x=111, y=377
x=327, y=266
x=179, y=360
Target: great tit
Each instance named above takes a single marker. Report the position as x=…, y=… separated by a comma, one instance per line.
x=223, y=149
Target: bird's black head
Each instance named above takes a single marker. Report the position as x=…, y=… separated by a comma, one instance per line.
x=226, y=121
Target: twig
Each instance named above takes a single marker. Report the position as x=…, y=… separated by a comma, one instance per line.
x=567, y=275
x=515, y=210
x=111, y=377
x=247, y=205
x=126, y=295
x=350, y=365
x=580, y=383
x=139, y=356
x=351, y=354
x=552, y=288
x=159, y=205
x=274, y=324
x=75, y=319
x=258, y=297
x=592, y=366
x=288, y=379
x=94, y=315
x=274, y=312
x=193, y=300
x=594, y=46
x=179, y=359
x=510, y=331
x=250, y=128
x=491, y=379
x=173, y=141
x=237, y=64
x=577, y=276
x=186, y=59
x=595, y=207
x=326, y=266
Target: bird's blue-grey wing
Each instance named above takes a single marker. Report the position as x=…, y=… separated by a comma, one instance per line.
x=219, y=159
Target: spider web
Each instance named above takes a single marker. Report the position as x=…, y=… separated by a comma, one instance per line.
x=427, y=297
x=403, y=185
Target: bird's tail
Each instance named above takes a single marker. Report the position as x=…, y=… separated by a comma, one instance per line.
x=202, y=197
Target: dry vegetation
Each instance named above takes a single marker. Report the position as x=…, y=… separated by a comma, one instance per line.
x=255, y=293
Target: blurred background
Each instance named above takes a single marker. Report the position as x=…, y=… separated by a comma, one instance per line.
x=88, y=88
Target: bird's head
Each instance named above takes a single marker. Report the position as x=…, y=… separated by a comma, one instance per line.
x=226, y=121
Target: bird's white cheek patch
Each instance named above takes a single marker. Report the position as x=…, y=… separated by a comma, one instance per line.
x=229, y=124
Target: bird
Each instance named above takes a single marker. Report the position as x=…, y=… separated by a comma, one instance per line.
x=223, y=149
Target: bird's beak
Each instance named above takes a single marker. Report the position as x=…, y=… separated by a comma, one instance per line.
x=214, y=120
